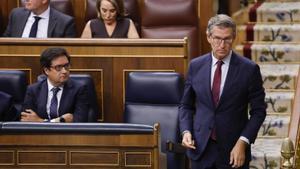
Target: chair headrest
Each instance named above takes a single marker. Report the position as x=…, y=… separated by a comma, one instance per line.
x=163, y=13
x=154, y=87
x=14, y=83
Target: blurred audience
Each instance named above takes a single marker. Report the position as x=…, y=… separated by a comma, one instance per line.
x=38, y=19
x=111, y=22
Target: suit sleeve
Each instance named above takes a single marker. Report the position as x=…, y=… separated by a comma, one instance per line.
x=81, y=105
x=187, y=104
x=7, y=32
x=257, y=103
x=70, y=30
x=29, y=100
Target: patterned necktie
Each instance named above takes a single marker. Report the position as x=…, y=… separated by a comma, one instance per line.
x=216, y=92
x=54, y=103
x=34, y=27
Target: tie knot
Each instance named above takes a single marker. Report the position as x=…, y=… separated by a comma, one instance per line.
x=220, y=62
x=55, y=90
x=37, y=18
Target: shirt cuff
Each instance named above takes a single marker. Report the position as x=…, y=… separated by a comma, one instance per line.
x=185, y=131
x=245, y=139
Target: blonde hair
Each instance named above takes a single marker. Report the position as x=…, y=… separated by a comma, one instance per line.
x=118, y=4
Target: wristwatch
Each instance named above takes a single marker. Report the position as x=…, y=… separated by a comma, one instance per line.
x=62, y=120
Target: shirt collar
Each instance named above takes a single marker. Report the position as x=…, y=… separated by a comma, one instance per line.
x=226, y=59
x=44, y=15
x=50, y=86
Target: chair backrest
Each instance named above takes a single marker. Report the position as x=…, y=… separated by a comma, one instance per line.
x=86, y=79
x=154, y=97
x=131, y=11
x=171, y=19
x=64, y=6
x=7, y=110
x=14, y=83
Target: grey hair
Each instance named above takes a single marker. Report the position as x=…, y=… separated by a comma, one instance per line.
x=223, y=21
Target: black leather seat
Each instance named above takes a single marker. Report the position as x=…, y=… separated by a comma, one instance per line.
x=154, y=97
x=14, y=83
x=8, y=111
x=86, y=79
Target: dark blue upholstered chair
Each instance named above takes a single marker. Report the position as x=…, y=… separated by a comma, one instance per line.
x=154, y=97
x=86, y=79
x=14, y=83
x=8, y=111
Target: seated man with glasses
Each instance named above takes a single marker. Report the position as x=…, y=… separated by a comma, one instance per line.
x=56, y=98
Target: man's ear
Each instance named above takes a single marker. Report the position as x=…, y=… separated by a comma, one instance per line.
x=45, y=1
x=46, y=71
x=208, y=38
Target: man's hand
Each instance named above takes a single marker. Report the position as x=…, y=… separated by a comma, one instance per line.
x=187, y=140
x=68, y=117
x=237, y=154
x=30, y=116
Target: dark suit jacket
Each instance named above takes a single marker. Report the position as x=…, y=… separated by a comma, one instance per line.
x=73, y=100
x=198, y=114
x=60, y=25
x=7, y=110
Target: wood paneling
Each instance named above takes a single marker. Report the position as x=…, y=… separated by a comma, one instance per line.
x=114, y=150
x=104, y=59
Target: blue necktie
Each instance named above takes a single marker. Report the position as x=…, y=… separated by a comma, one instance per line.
x=34, y=27
x=54, y=103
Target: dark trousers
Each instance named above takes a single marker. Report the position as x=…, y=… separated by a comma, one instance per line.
x=210, y=159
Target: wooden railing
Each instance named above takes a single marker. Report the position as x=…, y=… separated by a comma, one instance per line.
x=78, y=145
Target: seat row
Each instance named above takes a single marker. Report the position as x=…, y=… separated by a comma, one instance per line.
x=152, y=20
x=151, y=97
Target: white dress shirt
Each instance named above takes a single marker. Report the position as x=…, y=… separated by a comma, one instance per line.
x=42, y=31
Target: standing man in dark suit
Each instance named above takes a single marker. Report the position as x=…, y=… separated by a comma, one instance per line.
x=214, y=109
x=39, y=20
x=56, y=98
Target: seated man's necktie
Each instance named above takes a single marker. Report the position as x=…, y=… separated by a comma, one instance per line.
x=34, y=27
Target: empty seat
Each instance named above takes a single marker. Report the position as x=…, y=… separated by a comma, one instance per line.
x=14, y=83
x=172, y=20
x=153, y=97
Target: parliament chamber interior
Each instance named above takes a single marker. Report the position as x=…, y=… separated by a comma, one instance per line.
x=135, y=85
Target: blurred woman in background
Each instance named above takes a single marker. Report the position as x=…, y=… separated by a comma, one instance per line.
x=111, y=22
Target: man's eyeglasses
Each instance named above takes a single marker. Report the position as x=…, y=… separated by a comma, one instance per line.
x=218, y=41
x=60, y=67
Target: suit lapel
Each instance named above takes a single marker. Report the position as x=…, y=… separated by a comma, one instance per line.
x=64, y=98
x=42, y=99
x=23, y=19
x=207, y=79
x=52, y=23
x=230, y=79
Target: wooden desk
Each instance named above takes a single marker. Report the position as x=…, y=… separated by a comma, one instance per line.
x=107, y=60
x=115, y=146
